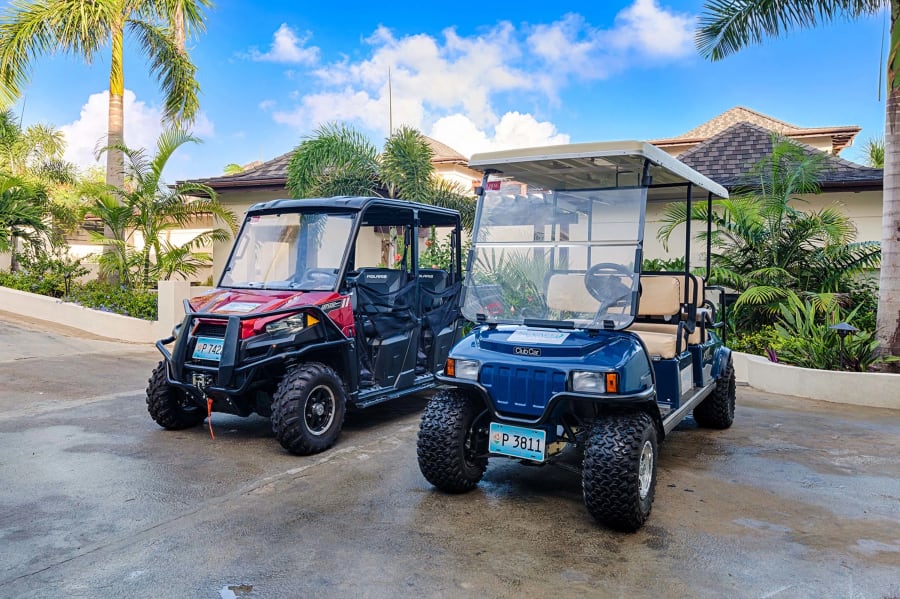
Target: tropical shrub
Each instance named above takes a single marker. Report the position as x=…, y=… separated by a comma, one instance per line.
x=808, y=341
x=663, y=264
x=766, y=248
x=100, y=295
x=147, y=207
x=759, y=342
x=45, y=274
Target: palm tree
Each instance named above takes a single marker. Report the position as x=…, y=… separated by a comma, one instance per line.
x=33, y=152
x=766, y=248
x=23, y=206
x=730, y=25
x=874, y=150
x=150, y=209
x=339, y=160
x=29, y=28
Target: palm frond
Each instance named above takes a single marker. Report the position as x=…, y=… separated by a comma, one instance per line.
x=173, y=69
x=336, y=156
x=727, y=26
x=761, y=295
x=406, y=165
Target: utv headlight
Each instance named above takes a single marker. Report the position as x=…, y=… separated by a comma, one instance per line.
x=463, y=369
x=585, y=381
x=292, y=324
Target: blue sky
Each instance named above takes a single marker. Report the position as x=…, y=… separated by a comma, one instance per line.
x=511, y=74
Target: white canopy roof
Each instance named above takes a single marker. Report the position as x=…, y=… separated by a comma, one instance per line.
x=594, y=165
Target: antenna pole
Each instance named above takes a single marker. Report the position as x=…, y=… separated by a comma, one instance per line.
x=390, y=106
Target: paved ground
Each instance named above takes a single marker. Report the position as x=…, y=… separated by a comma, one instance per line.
x=798, y=499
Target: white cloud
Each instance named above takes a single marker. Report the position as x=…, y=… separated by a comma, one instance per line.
x=267, y=105
x=287, y=47
x=459, y=86
x=515, y=130
x=573, y=46
x=143, y=125
x=429, y=78
x=654, y=31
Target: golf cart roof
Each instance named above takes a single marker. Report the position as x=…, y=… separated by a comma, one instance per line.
x=595, y=165
x=428, y=215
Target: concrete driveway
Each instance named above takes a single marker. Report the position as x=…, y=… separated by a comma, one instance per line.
x=798, y=499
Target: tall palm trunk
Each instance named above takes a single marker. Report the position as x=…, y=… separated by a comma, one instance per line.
x=179, y=25
x=889, y=284
x=115, y=161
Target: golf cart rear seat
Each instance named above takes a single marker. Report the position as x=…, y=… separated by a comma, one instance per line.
x=660, y=309
x=659, y=318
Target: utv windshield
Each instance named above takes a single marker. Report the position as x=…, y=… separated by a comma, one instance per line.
x=293, y=250
x=552, y=256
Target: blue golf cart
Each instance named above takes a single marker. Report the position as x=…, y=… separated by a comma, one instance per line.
x=576, y=351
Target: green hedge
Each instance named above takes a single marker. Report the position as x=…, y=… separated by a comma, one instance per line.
x=93, y=294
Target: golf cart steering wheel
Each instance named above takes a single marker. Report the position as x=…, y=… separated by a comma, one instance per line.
x=318, y=278
x=604, y=282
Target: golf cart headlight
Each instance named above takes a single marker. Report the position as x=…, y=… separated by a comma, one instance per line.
x=584, y=381
x=176, y=329
x=463, y=369
x=291, y=324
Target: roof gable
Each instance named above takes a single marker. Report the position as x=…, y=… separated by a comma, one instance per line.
x=738, y=114
x=726, y=157
x=841, y=136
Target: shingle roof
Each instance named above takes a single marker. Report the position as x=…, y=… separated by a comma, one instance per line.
x=841, y=136
x=725, y=158
x=444, y=153
x=273, y=173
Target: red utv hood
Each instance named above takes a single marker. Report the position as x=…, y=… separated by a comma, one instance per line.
x=260, y=302
x=247, y=301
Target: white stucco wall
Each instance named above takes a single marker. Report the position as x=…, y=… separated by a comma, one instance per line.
x=457, y=173
x=864, y=208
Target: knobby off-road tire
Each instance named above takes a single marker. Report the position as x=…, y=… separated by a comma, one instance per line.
x=717, y=410
x=169, y=406
x=308, y=408
x=619, y=470
x=452, y=445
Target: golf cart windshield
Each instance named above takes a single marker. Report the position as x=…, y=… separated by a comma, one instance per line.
x=291, y=250
x=555, y=255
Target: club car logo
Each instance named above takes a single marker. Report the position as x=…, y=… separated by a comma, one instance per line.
x=534, y=352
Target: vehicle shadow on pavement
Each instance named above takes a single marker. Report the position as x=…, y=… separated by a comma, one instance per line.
x=228, y=426
x=387, y=412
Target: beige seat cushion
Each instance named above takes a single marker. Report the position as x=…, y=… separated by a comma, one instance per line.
x=671, y=329
x=658, y=344
x=660, y=296
x=567, y=292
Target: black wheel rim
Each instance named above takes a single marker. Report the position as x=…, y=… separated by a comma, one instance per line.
x=318, y=412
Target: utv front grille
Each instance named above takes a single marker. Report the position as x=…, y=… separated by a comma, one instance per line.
x=211, y=329
x=518, y=390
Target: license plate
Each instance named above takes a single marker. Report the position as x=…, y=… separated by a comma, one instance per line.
x=518, y=442
x=208, y=348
